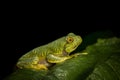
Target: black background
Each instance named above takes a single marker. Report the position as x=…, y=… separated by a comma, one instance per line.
x=25, y=30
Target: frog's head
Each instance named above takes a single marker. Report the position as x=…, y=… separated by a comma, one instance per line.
x=72, y=42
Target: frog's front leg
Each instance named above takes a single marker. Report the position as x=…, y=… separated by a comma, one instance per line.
x=57, y=59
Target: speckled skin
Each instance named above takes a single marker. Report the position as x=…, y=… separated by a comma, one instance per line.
x=53, y=52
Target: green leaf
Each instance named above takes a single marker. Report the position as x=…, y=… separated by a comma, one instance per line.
x=101, y=63
x=109, y=70
x=26, y=74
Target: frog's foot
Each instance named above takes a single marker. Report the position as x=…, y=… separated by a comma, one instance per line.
x=42, y=66
x=84, y=53
x=75, y=55
x=39, y=67
x=78, y=54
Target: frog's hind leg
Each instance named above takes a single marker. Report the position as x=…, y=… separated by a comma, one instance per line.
x=31, y=63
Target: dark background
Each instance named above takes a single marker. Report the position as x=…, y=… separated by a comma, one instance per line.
x=26, y=31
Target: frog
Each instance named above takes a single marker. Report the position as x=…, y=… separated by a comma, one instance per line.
x=57, y=51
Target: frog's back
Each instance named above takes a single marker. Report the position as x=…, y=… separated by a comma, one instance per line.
x=41, y=51
x=46, y=49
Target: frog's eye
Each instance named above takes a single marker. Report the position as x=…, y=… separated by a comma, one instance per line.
x=69, y=39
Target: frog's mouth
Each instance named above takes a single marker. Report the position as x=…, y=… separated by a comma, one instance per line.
x=65, y=53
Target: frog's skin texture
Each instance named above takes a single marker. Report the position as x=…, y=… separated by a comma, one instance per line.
x=54, y=52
